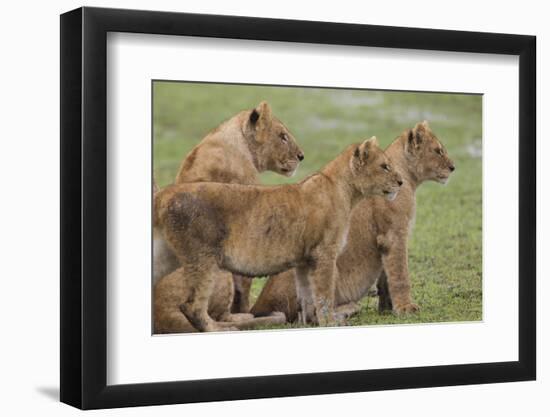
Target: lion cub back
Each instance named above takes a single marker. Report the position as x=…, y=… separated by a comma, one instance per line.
x=190, y=221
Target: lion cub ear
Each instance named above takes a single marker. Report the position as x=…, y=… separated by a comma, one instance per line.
x=417, y=135
x=363, y=151
x=421, y=129
x=366, y=147
x=261, y=116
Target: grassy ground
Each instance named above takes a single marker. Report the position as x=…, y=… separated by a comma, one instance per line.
x=445, y=254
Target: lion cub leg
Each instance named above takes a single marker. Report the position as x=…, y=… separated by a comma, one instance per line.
x=167, y=298
x=252, y=323
x=198, y=282
x=395, y=262
x=241, y=297
x=236, y=317
x=321, y=282
x=345, y=311
x=306, y=307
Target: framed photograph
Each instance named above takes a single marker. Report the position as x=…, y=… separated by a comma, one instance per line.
x=257, y=208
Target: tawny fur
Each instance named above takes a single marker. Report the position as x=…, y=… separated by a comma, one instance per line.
x=377, y=241
x=168, y=317
x=239, y=149
x=255, y=230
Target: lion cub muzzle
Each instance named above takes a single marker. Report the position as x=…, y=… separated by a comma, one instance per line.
x=391, y=192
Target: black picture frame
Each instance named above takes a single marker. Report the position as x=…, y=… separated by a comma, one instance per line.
x=84, y=207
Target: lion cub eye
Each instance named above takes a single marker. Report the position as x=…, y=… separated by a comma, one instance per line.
x=284, y=137
x=439, y=151
x=385, y=167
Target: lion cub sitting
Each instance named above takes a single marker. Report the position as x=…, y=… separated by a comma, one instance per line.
x=255, y=230
x=376, y=248
x=167, y=316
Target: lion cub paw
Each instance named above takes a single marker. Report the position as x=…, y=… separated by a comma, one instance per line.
x=237, y=317
x=408, y=308
x=277, y=317
x=220, y=326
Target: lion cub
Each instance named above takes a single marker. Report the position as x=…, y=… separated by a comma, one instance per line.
x=255, y=230
x=376, y=248
x=251, y=142
x=167, y=316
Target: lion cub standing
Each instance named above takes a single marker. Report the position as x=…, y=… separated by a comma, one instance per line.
x=239, y=149
x=377, y=241
x=251, y=142
x=255, y=230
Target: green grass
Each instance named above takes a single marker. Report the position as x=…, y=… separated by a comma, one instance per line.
x=445, y=252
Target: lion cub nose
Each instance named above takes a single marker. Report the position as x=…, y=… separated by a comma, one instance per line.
x=301, y=156
x=452, y=167
x=400, y=182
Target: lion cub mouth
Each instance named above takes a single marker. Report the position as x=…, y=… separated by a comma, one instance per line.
x=289, y=168
x=390, y=195
x=443, y=179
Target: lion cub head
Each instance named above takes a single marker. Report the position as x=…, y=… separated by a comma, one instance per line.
x=426, y=156
x=372, y=171
x=271, y=143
